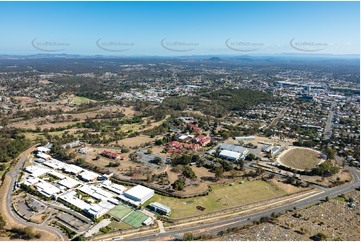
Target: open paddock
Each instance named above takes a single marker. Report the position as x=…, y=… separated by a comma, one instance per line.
x=221, y=197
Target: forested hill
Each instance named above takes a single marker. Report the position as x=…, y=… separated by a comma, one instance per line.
x=217, y=103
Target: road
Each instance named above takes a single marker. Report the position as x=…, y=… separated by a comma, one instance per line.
x=328, y=127
x=216, y=227
x=279, y=116
x=12, y=175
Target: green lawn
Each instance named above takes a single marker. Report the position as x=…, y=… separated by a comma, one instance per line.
x=80, y=100
x=221, y=197
x=120, y=211
x=119, y=225
x=135, y=219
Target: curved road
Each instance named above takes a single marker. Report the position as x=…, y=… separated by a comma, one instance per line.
x=215, y=227
x=12, y=175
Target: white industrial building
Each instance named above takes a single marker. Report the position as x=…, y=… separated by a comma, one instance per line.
x=54, y=164
x=36, y=170
x=57, y=174
x=271, y=149
x=30, y=181
x=232, y=152
x=160, y=208
x=234, y=148
x=245, y=138
x=116, y=188
x=88, y=176
x=230, y=155
x=70, y=197
x=93, y=210
x=137, y=195
x=68, y=182
x=46, y=188
x=100, y=209
x=72, y=169
x=96, y=192
x=42, y=149
x=43, y=156
x=84, y=150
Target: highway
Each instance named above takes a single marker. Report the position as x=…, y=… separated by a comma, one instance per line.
x=215, y=227
x=328, y=127
x=12, y=175
x=279, y=116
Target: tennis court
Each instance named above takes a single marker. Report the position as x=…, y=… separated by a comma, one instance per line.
x=135, y=219
x=119, y=211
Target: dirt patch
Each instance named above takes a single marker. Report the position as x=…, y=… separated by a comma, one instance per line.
x=335, y=219
x=300, y=158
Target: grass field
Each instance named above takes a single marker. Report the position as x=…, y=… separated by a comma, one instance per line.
x=119, y=225
x=221, y=197
x=135, y=219
x=80, y=100
x=300, y=158
x=120, y=211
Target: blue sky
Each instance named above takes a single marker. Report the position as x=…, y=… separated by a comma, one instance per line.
x=186, y=28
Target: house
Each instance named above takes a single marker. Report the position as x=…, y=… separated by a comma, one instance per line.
x=194, y=127
x=110, y=155
x=202, y=140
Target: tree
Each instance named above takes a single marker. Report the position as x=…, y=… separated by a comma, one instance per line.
x=330, y=153
x=179, y=184
x=195, y=158
x=250, y=157
x=187, y=237
x=2, y=222
x=188, y=172
x=218, y=173
x=319, y=236
x=157, y=160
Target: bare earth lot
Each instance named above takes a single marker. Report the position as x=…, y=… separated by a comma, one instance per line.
x=300, y=158
x=334, y=219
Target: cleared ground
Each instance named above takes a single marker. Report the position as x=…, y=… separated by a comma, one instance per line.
x=80, y=100
x=335, y=219
x=221, y=197
x=135, y=219
x=300, y=158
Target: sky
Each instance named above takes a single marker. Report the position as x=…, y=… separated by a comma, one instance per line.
x=179, y=28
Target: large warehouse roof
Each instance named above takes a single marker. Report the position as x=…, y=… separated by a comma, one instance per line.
x=139, y=191
x=230, y=154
